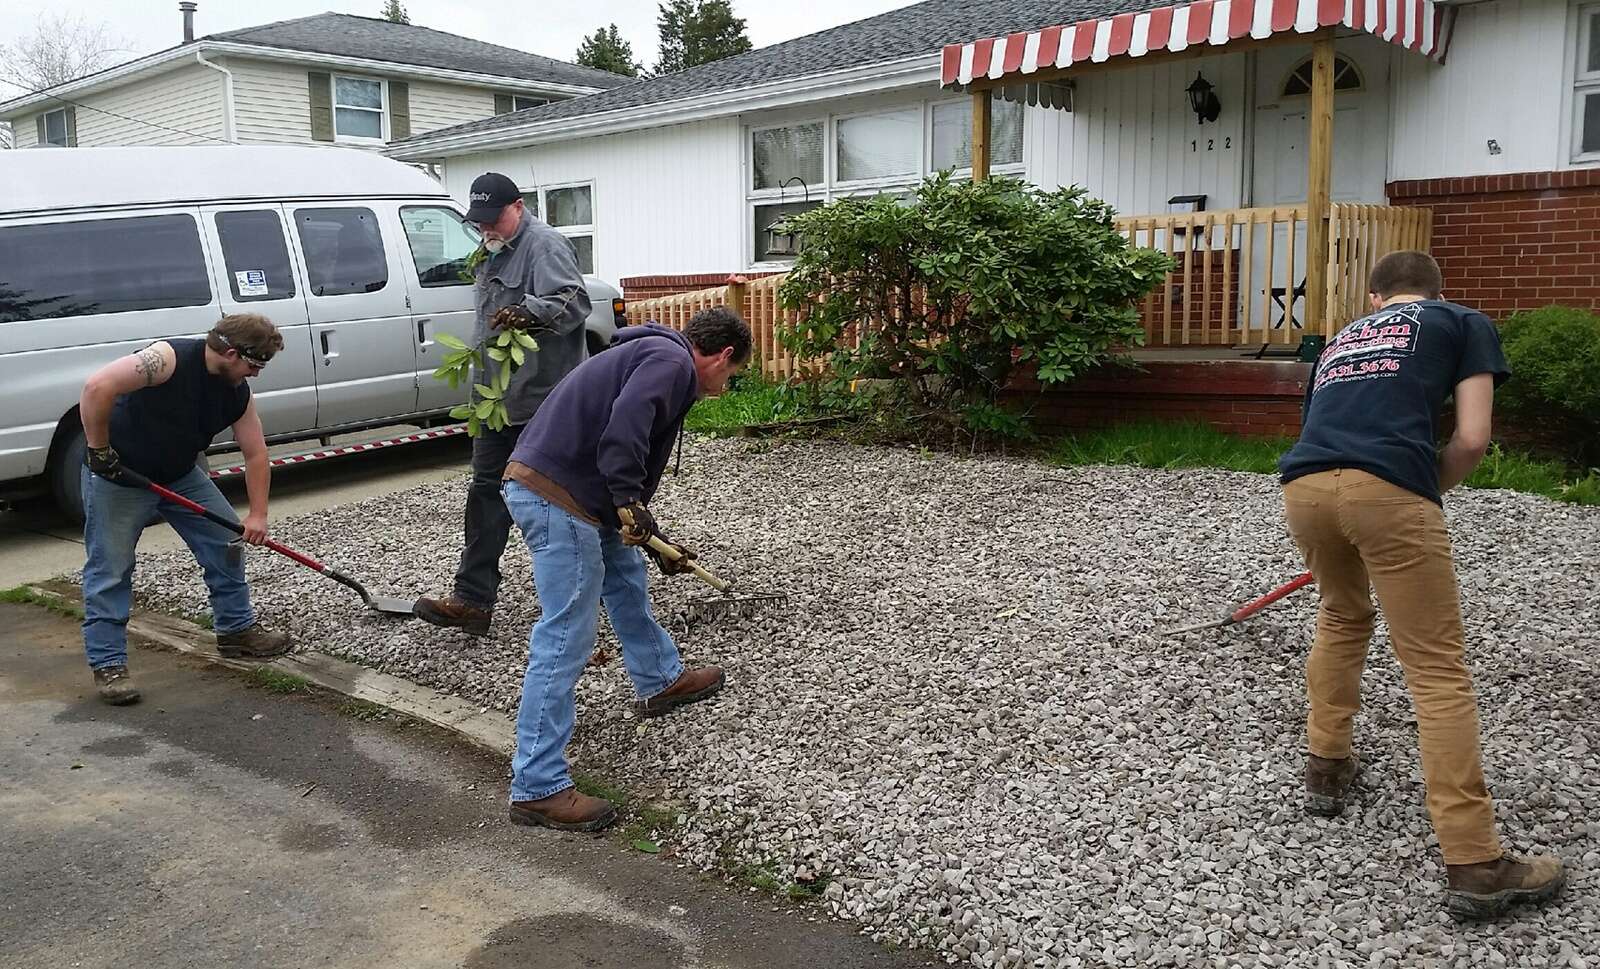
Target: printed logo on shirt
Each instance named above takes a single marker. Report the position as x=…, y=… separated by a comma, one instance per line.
x=1371, y=348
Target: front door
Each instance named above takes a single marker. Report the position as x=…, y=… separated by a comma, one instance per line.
x=1282, y=163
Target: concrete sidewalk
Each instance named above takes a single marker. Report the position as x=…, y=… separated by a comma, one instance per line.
x=219, y=824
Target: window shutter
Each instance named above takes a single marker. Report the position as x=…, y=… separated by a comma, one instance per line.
x=321, y=89
x=503, y=104
x=399, y=110
x=38, y=121
x=72, y=126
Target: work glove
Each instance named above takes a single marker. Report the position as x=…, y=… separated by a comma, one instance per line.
x=668, y=566
x=105, y=462
x=513, y=317
x=637, y=523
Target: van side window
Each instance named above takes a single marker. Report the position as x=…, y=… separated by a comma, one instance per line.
x=440, y=244
x=343, y=251
x=65, y=269
x=257, y=260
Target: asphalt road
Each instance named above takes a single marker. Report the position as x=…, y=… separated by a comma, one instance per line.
x=218, y=824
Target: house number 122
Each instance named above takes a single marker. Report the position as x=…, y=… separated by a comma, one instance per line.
x=1211, y=144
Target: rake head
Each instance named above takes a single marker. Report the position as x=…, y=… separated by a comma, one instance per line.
x=733, y=606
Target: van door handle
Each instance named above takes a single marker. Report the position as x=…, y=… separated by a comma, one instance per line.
x=423, y=340
x=330, y=348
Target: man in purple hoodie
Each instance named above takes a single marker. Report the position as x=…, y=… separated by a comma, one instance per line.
x=579, y=484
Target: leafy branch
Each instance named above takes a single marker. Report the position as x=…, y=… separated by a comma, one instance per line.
x=485, y=406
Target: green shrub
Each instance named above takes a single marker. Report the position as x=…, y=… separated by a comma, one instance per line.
x=1555, y=374
x=948, y=292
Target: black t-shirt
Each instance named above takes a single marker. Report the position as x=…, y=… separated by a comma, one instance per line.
x=1374, y=397
x=159, y=431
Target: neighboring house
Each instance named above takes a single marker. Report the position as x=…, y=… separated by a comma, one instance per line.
x=1487, y=113
x=331, y=78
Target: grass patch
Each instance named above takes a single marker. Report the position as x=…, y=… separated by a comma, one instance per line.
x=598, y=787
x=22, y=595
x=1161, y=445
x=363, y=710
x=808, y=891
x=277, y=681
x=763, y=878
x=749, y=400
x=1519, y=472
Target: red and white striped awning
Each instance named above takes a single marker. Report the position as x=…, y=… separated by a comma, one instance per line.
x=1418, y=25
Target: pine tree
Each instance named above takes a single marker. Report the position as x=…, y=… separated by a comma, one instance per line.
x=695, y=32
x=606, y=50
x=395, y=12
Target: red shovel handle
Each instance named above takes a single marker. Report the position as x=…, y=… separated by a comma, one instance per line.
x=228, y=523
x=1251, y=608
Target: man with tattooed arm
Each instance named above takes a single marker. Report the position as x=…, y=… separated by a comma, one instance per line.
x=154, y=412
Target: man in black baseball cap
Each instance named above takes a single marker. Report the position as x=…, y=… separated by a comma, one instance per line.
x=529, y=280
x=491, y=193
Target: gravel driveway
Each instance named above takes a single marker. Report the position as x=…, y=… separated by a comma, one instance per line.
x=965, y=721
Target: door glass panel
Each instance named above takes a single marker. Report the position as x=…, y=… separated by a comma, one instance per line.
x=254, y=255
x=440, y=244
x=65, y=269
x=343, y=251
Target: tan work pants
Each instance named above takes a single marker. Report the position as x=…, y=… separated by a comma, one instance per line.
x=1354, y=529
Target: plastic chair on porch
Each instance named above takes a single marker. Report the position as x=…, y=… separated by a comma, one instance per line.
x=1280, y=293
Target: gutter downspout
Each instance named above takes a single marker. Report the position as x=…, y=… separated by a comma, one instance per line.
x=227, y=95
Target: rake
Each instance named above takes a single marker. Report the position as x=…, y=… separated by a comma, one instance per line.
x=730, y=604
x=1248, y=609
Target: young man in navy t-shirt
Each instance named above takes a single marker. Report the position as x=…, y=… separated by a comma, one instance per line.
x=1362, y=494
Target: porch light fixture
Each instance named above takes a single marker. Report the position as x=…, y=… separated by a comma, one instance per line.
x=1203, y=99
x=780, y=241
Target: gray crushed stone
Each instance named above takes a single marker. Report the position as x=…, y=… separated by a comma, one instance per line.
x=966, y=733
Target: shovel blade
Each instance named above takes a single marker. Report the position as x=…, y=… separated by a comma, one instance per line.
x=393, y=606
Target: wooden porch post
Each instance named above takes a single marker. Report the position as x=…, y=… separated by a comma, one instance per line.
x=981, y=124
x=1319, y=189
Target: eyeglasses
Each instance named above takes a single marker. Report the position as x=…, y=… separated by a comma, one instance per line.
x=255, y=361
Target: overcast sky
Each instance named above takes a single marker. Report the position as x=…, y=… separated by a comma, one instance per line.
x=549, y=27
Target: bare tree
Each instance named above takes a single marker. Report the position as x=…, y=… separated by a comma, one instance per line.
x=63, y=47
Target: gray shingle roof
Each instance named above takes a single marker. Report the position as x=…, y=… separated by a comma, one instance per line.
x=351, y=36
x=921, y=28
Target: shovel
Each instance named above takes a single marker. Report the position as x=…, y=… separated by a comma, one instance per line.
x=384, y=604
x=1248, y=609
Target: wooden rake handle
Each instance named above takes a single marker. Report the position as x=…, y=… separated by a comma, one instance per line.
x=671, y=554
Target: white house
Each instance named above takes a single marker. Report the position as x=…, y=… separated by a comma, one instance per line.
x=1479, y=112
x=331, y=78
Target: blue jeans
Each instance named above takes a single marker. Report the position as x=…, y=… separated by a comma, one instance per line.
x=113, y=517
x=576, y=567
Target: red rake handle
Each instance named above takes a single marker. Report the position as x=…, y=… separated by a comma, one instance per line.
x=1251, y=608
x=233, y=526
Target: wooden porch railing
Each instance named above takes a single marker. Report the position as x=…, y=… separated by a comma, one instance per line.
x=756, y=301
x=1241, y=275
x=1241, y=278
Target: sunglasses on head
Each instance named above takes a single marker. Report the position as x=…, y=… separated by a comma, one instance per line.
x=247, y=354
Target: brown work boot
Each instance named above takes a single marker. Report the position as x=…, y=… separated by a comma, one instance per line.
x=1487, y=890
x=115, y=685
x=691, y=685
x=1328, y=784
x=253, y=642
x=565, y=810
x=452, y=612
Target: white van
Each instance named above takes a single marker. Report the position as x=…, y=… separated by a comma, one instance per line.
x=358, y=259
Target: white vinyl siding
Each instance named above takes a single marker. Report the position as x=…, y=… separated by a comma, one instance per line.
x=1507, y=78
x=25, y=131
x=271, y=102
x=188, y=99
x=666, y=200
x=435, y=106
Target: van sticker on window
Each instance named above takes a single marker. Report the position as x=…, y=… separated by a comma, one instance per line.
x=251, y=282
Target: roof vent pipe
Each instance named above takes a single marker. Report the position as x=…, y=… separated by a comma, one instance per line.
x=188, y=9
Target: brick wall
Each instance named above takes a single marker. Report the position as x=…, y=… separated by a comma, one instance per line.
x=1514, y=242
x=1207, y=296
x=1253, y=397
x=644, y=287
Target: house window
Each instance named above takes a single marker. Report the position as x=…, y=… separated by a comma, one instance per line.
x=55, y=128
x=569, y=209
x=952, y=135
x=779, y=155
x=358, y=108
x=1586, y=95
x=520, y=103
x=1345, y=78
x=879, y=146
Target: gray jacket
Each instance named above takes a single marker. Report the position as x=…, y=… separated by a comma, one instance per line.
x=539, y=269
